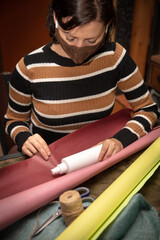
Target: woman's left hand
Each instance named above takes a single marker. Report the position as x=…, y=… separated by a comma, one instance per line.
x=109, y=148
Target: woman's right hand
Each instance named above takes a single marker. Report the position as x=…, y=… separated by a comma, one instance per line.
x=35, y=144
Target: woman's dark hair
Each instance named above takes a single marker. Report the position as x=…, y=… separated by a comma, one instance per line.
x=82, y=12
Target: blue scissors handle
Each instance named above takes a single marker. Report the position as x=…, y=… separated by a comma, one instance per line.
x=86, y=201
x=83, y=191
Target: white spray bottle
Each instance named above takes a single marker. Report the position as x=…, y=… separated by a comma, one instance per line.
x=78, y=160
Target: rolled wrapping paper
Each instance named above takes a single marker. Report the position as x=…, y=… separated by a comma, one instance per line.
x=102, y=211
x=35, y=171
x=16, y=206
x=71, y=206
x=78, y=160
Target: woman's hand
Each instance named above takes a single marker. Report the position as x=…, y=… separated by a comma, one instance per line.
x=109, y=148
x=35, y=144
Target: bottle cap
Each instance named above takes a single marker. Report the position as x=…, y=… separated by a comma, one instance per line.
x=55, y=170
x=61, y=168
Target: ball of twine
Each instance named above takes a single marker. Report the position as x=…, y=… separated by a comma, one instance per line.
x=71, y=205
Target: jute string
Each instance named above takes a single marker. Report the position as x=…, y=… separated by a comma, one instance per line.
x=71, y=206
x=37, y=218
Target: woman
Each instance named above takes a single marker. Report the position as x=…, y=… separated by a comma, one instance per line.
x=71, y=82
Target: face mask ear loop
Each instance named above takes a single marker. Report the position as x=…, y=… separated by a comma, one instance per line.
x=56, y=24
x=106, y=28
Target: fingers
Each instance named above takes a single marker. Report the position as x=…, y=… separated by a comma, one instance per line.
x=36, y=144
x=109, y=148
x=29, y=151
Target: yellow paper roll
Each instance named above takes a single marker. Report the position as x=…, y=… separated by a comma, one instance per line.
x=111, y=202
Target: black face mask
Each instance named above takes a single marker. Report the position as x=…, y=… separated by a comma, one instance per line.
x=78, y=54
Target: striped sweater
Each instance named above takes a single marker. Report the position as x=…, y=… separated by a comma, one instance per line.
x=53, y=96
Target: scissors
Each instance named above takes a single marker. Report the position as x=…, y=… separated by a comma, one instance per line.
x=86, y=200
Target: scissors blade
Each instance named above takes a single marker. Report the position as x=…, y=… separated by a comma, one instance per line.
x=48, y=221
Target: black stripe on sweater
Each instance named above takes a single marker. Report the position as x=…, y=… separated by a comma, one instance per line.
x=19, y=83
x=136, y=93
x=126, y=137
x=73, y=119
x=19, y=108
x=74, y=89
x=153, y=108
x=48, y=136
x=126, y=66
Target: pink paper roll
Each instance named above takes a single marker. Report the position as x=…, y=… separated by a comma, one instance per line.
x=26, y=199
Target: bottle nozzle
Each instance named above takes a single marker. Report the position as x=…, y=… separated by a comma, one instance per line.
x=59, y=169
x=55, y=170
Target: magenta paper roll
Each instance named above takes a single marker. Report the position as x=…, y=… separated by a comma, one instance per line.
x=21, y=203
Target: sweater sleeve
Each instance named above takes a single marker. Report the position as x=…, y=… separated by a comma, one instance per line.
x=18, y=113
x=145, y=110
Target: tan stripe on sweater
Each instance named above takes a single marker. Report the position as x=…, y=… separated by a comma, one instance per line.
x=131, y=82
x=66, y=108
x=18, y=97
x=23, y=68
x=137, y=104
x=136, y=128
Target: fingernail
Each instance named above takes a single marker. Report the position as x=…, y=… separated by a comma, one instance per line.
x=46, y=157
x=49, y=154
